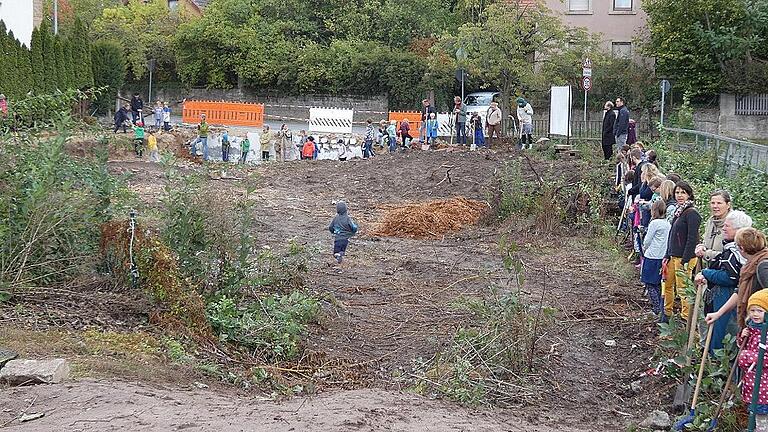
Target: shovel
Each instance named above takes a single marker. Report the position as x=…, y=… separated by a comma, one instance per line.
x=680, y=425
x=758, y=378
x=725, y=392
x=683, y=390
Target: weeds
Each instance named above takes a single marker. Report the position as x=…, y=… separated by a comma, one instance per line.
x=271, y=327
x=52, y=207
x=490, y=362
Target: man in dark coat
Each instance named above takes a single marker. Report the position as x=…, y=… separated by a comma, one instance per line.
x=621, y=127
x=121, y=116
x=609, y=138
x=136, y=106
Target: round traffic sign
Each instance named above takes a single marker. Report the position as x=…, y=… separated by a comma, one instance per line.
x=587, y=83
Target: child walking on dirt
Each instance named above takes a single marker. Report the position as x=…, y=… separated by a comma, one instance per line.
x=154, y=156
x=654, y=247
x=138, y=138
x=750, y=341
x=368, y=141
x=432, y=126
x=343, y=227
x=245, y=147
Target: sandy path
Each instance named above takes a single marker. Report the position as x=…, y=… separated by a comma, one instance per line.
x=115, y=406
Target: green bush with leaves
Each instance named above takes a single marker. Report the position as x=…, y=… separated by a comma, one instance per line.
x=109, y=69
x=706, y=172
x=52, y=206
x=271, y=327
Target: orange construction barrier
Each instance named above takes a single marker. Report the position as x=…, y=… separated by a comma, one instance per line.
x=224, y=113
x=414, y=119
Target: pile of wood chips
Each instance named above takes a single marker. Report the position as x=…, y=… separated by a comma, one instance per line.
x=430, y=219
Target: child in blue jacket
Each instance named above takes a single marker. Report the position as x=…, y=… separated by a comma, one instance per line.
x=343, y=227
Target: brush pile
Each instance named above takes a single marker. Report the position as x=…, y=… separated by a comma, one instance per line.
x=430, y=219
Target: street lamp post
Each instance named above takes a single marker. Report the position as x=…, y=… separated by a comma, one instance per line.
x=461, y=57
x=55, y=17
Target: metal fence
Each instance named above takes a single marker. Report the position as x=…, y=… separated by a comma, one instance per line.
x=755, y=104
x=732, y=153
x=591, y=130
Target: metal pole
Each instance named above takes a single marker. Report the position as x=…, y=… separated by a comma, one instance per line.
x=662, y=105
x=55, y=17
x=568, y=128
x=462, y=85
x=149, y=96
x=585, y=109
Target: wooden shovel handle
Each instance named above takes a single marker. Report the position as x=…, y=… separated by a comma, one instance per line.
x=704, y=356
x=694, y=323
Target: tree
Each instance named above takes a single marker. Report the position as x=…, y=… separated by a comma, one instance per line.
x=81, y=56
x=48, y=63
x=8, y=75
x=701, y=42
x=37, y=61
x=146, y=30
x=109, y=69
x=62, y=67
x=25, y=80
x=517, y=49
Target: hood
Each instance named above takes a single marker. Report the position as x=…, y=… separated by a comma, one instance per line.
x=341, y=208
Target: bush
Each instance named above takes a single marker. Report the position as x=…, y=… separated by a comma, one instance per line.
x=488, y=362
x=705, y=172
x=52, y=206
x=108, y=71
x=271, y=327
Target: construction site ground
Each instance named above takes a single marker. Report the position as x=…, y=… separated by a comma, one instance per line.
x=393, y=303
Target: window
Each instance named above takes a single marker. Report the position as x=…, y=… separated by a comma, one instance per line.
x=173, y=4
x=622, y=5
x=578, y=5
x=621, y=49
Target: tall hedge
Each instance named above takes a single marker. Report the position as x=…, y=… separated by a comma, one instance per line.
x=81, y=56
x=109, y=70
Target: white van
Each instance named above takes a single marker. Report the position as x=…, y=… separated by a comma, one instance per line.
x=479, y=102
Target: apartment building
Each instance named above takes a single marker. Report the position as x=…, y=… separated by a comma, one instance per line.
x=618, y=21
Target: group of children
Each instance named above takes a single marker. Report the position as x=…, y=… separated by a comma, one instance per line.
x=648, y=203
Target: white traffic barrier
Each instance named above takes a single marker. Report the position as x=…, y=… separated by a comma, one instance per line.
x=331, y=120
x=445, y=124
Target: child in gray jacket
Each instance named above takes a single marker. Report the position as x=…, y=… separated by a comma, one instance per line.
x=343, y=228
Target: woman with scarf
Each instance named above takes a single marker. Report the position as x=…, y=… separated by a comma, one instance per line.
x=712, y=243
x=722, y=278
x=683, y=238
x=753, y=277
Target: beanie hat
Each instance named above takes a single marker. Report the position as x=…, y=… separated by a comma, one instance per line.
x=521, y=101
x=760, y=299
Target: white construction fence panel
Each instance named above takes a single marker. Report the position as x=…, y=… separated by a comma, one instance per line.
x=331, y=120
x=445, y=124
x=559, y=111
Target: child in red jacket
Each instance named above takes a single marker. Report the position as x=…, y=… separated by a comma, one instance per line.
x=757, y=305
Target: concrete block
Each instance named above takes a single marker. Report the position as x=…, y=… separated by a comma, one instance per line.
x=17, y=372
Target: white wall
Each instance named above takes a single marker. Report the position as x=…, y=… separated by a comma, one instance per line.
x=18, y=17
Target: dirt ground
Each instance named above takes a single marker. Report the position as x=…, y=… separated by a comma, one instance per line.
x=391, y=305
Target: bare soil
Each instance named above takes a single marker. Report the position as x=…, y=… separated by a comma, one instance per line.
x=393, y=302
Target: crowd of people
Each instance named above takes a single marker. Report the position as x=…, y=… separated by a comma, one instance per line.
x=727, y=266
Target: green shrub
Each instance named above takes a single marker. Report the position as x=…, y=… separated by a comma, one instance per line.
x=52, y=206
x=271, y=327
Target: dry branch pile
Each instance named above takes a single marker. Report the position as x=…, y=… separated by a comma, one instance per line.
x=430, y=219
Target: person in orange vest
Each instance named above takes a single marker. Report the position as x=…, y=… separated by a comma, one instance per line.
x=308, y=151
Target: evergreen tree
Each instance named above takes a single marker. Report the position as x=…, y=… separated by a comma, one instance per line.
x=69, y=65
x=37, y=61
x=5, y=83
x=62, y=75
x=50, y=75
x=81, y=56
x=11, y=72
x=24, y=67
x=108, y=71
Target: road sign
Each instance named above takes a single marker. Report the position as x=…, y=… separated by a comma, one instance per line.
x=587, y=83
x=665, y=86
x=586, y=72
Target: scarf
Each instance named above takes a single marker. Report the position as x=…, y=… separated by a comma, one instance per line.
x=683, y=207
x=746, y=281
x=717, y=228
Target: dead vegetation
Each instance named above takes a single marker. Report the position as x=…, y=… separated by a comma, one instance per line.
x=430, y=219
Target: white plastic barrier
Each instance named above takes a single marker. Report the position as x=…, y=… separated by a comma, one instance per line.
x=445, y=124
x=331, y=120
